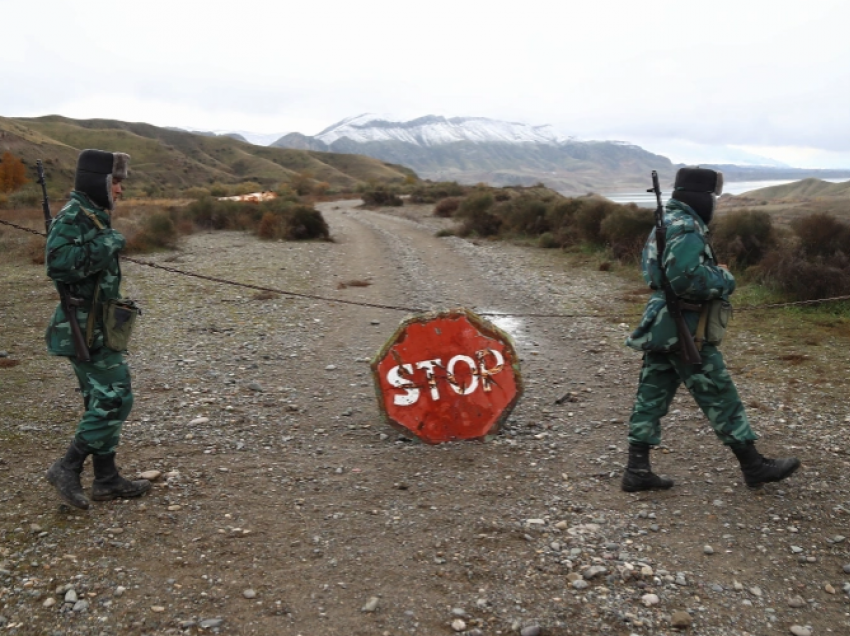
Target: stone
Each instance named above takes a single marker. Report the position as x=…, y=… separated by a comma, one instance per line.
x=119, y=590
x=796, y=602
x=531, y=630
x=71, y=596
x=157, y=608
x=756, y=591
x=211, y=623
x=799, y=630
x=255, y=386
x=81, y=605
x=249, y=593
x=371, y=605
x=846, y=569
x=681, y=620
x=458, y=625
x=49, y=602
x=150, y=475
x=707, y=549
x=650, y=599
x=580, y=584
x=197, y=421
x=829, y=589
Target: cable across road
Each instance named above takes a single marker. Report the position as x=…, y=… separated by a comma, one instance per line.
x=327, y=299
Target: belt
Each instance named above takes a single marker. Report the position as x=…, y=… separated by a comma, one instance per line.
x=691, y=306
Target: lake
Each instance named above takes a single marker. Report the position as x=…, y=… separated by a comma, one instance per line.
x=647, y=199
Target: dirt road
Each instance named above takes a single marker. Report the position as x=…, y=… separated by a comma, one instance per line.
x=286, y=505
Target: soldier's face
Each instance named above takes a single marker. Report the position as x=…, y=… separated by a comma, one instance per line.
x=117, y=190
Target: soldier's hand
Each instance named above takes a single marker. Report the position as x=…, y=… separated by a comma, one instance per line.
x=723, y=265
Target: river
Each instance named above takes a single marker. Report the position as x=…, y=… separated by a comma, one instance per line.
x=647, y=199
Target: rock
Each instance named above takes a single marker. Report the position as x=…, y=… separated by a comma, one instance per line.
x=119, y=590
x=249, y=593
x=255, y=386
x=580, y=584
x=458, y=625
x=756, y=591
x=796, y=549
x=211, y=623
x=828, y=589
x=594, y=571
x=196, y=422
x=799, y=630
x=49, y=602
x=531, y=630
x=71, y=596
x=150, y=475
x=681, y=620
x=371, y=605
x=650, y=599
x=707, y=549
x=157, y=608
x=81, y=606
x=330, y=367
x=846, y=568
x=459, y=612
x=796, y=601
x=174, y=507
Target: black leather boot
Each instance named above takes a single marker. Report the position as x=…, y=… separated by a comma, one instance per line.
x=109, y=484
x=64, y=474
x=638, y=475
x=759, y=470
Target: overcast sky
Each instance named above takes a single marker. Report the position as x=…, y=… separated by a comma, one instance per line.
x=675, y=76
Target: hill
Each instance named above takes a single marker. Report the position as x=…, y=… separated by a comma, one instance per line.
x=166, y=159
x=804, y=189
x=476, y=149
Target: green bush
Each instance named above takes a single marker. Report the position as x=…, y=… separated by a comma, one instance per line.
x=742, y=239
x=625, y=229
x=477, y=218
x=196, y=193
x=524, y=215
x=431, y=192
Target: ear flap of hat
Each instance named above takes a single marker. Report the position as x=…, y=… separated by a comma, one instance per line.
x=120, y=165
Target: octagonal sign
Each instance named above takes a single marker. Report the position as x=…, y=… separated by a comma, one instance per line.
x=447, y=376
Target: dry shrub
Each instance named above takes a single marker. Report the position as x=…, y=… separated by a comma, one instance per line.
x=265, y=295
x=269, y=227
x=7, y=363
x=743, y=238
x=381, y=196
x=430, y=192
x=626, y=229
x=802, y=279
x=445, y=208
x=477, y=218
x=525, y=215
x=822, y=235
x=589, y=217
x=35, y=249
x=353, y=283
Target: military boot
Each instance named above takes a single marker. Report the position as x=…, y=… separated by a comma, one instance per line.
x=638, y=475
x=758, y=470
x=64, y=474
x=109, y=484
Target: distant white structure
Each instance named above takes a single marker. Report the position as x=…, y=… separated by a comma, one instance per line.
x=254, y=197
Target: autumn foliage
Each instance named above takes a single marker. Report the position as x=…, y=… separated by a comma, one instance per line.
x=13, y=173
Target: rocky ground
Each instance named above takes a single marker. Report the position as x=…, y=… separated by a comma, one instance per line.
x=285, y=505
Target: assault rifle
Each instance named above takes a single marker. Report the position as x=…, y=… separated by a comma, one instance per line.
x=690, y=354
x=69, y=303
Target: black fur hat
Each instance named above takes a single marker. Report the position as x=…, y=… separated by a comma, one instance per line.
x=698, y=188
x=96, y=170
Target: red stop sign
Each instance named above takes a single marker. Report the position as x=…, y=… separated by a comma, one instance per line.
x=447, y=376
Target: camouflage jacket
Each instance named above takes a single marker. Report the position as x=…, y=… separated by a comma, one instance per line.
x=82, y=249
x=692, y=271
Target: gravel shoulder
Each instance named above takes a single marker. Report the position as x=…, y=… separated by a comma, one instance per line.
x=286, y=506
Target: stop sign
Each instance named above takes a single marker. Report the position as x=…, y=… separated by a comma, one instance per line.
x=447, y=376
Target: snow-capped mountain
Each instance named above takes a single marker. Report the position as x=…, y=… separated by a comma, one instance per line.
x=433, y=130
x=477, y=149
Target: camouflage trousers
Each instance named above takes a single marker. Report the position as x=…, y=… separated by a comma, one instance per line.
x=108, y=399
x=710, y=385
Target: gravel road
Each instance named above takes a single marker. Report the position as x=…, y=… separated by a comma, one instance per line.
x=284, y=505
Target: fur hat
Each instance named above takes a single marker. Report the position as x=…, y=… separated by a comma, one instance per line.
x=96, y=170
x=698, y=188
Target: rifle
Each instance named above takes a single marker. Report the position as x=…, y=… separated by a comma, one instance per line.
x=690, y=354
x=69, y=304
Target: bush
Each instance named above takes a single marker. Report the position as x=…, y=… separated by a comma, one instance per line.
x=477, y=217
x=381, y=196
x=430, y=192
x=802, y=279
x=625, y=230
x=589, y=217
x=26, y=198
x=445, y=208
x=156, y=231
x=822, y=235
x=196, y=193
x=743, y=238
x=524, y=215
x=547, y=240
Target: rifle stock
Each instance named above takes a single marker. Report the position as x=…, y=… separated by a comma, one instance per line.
x=68, y=306
x=690, y=353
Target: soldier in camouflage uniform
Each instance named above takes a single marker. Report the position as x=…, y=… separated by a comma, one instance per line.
x=82, y=253
x=696, y=278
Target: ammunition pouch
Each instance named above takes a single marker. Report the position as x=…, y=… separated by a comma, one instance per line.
x=716, y=316
x=119, y=318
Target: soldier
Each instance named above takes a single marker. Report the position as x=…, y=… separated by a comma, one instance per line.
x=696, y=278
x=82, y=253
